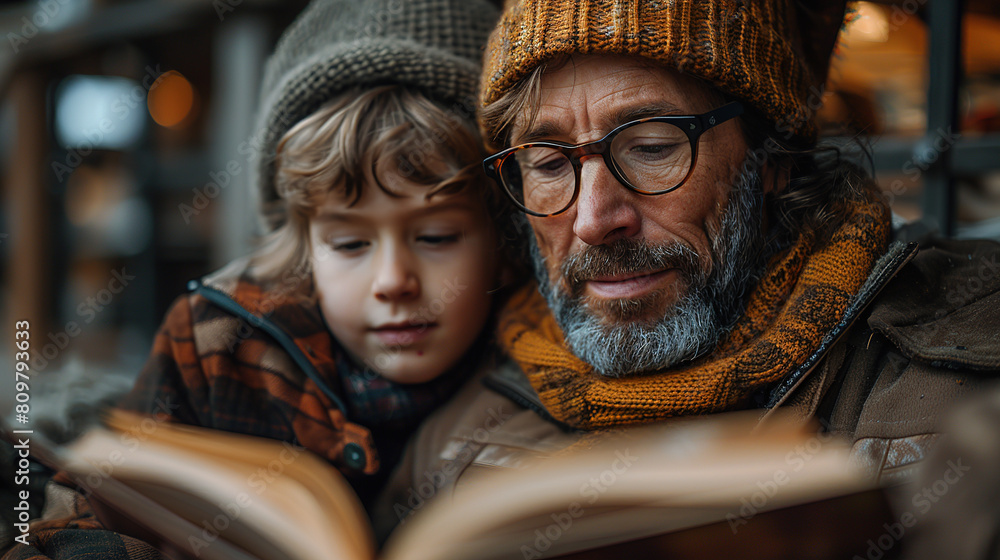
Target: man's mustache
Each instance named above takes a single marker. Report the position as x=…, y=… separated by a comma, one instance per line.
x=628, y=256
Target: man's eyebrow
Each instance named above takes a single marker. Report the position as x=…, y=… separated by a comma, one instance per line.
x=549, y=129
x=540, y=131
x=636, y=112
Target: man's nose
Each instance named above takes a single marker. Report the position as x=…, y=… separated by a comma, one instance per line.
x=395, y=278
x=605, y=208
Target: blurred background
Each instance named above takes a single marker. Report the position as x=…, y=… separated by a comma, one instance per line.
x=126, y=134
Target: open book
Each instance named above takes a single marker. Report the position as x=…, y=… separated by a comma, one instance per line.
x=704, y=489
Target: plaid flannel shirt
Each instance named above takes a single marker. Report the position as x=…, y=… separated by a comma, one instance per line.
x=234, y=356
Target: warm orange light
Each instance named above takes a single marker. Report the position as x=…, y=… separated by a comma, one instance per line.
x=170, y=99
x=872, y=23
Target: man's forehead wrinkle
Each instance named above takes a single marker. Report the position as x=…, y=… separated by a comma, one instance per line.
x=551, y=125
x=629, y=109
x=579, y=104
x=547, y=122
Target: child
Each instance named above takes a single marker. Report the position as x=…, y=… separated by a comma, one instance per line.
x=370, y=301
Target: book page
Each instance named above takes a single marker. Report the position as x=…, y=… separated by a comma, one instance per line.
x=640, y=483
x=273, y=500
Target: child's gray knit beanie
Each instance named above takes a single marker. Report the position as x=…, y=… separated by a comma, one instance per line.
x=435, y=46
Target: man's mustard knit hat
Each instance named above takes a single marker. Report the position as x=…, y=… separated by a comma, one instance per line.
x=771, y=54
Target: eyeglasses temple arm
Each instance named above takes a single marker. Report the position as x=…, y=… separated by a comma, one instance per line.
x=721, y=115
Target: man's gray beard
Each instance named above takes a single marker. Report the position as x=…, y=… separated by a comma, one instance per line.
x=713, y=302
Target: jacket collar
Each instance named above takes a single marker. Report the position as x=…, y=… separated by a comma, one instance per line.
x=296, y=325
x=508, y=380
x=299, y=330
x=943, y=309
x=885, y=269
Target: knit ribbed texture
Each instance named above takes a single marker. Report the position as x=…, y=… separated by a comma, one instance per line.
x=751, y=49
x=803, y=295
x=434, y=46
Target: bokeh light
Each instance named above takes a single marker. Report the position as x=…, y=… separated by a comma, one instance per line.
x=170, y=99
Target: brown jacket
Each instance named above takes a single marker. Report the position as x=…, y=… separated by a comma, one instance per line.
x=921, y=334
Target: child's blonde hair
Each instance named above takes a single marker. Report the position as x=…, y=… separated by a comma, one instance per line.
x=353, y=137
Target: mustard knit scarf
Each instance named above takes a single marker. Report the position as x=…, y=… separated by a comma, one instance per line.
x=802, y=296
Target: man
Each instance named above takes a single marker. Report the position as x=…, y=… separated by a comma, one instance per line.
x=696, y=252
